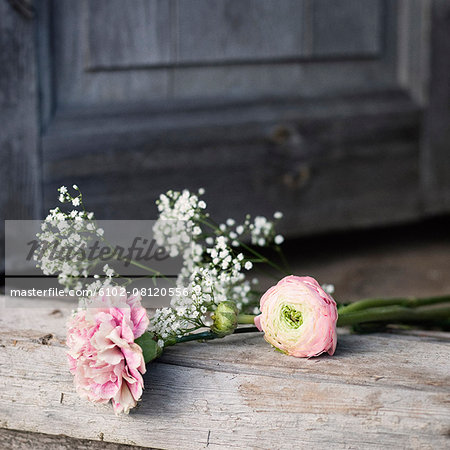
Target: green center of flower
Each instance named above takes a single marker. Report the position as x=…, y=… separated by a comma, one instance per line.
x=291, y=316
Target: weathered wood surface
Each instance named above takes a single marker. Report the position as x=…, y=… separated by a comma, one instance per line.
x=324, y=121
x=436, y=155
x=292, y=156
x=173, y=50
x=21, y=440
x=199, y=33
x=378, y=391
x=19, y=166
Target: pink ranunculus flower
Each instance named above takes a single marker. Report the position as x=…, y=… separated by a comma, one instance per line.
x=298, y=317
x=106, y=362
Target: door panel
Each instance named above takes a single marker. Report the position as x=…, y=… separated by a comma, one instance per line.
x=348, y=28
x=20, y=193
x=312, y=107
x=153, y=50
x=122, y=34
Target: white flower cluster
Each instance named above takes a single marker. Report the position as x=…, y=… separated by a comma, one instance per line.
x=63, y=243
x=211, y=268
x=177, y=224
x=262, y=231
x=210, y=282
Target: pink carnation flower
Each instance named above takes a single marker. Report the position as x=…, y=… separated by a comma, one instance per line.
x=105, y=361
x=298, y=317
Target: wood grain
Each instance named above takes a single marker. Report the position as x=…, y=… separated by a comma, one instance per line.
x=245, y=31
x=314, y=141
x=304, y=157
x=25, y=440
x=347, y=28
x=377, y=391
x=123, y=34
x=436, y=154
x=159, y=51
x=20, y=193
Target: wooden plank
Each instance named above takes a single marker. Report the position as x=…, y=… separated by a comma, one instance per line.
x=20, y=194
x=121, y=34
x=244, y=31
x=283, y=79
x=346, y=28
x=377, y=391
x=248, y=31
x=414, y=30
x=75, y=84
x=238, y=58
x=21, y=440
x=436, y=154
x=238, y=147
x=45, y=62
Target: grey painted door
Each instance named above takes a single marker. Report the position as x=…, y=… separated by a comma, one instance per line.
x=20, y=188
x=333, y=111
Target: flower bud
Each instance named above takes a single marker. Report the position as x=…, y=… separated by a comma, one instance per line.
x=225, y=318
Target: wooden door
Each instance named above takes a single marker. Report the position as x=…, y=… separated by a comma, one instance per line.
x=333, y=111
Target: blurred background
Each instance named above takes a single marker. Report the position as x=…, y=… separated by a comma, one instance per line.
x=336, y=112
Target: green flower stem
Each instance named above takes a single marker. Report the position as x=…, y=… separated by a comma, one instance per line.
x=205, y=335
x=434, y=309
x=396, y=313
x=246, y=319
x=264, y=259
x=391, y=313
x=377, y=302
x=209, y=335
x=285, y=262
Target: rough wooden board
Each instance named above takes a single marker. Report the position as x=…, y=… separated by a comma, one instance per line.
x=162, y=47
x=436, y=157
x=25, y=440
x=232, y=151
x=19, y=160
x=379, y=390
x=361, y=34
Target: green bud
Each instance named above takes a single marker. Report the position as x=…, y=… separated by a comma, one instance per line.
x=225, y=318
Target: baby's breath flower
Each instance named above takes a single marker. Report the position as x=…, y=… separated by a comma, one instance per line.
x=278, y=215
x=63, y=240
x=328, y=288
x=178, y=222
x=109, y=272
x=212, y=271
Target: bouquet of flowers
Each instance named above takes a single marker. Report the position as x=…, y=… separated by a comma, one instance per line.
x=111, y=337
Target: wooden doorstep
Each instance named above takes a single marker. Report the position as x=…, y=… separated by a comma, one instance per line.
x=378, y=390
